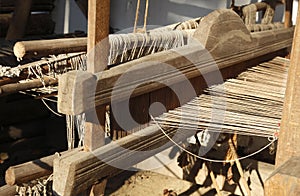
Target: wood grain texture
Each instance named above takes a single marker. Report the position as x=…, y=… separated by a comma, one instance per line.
x=288, y=143
x=75, y=173
x=39, y=48
x=285, y=180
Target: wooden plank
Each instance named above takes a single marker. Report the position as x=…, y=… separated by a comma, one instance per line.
x=18, y=23
x=288, y=144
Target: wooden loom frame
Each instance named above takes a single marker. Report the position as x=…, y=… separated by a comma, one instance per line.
x=71, y=171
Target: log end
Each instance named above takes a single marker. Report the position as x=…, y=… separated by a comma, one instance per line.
x=19, y=50
x=10, y=177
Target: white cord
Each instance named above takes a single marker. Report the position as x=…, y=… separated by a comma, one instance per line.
x=271, y=139
x=51, y=108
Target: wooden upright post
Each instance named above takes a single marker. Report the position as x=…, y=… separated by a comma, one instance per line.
x=97, y=53
x=97, y=60
x=288, y=13
x=18, y=23
x=285, y=180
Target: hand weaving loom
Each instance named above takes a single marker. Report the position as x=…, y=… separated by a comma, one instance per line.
x=233, y=49
x=231, y=45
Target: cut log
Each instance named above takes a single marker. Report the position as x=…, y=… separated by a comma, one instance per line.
x=32, y=84
x=8, y=190
x=26, y=172
x=39, y=48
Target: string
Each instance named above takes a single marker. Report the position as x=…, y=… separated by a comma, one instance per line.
x=271, y=139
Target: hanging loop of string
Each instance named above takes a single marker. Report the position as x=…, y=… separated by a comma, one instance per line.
x=271, y=139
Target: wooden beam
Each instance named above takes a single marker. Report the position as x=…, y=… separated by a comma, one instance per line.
x=40, y=48
x=285, y=180
x=147, y=67
x=288, y=144
x=77, y=172
x=97, y=60
x=18, y=23
x=98, y=31
x=26, y=172
x=32, y=84
x=8, y=190
x=288, y=13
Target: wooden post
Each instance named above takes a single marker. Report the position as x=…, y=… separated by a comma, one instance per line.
x=285, y=180
x=288, y=13
x=18, y=23
x=288, y=144
x=97, y=48
x=97, y=60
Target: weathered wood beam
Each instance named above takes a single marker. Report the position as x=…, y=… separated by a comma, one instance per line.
x=32, y=84
x=97, y=60
x=288, y=144
x=74, y=98
x=75, y=173
x=18, y=23
x=285, y=180
x=26, y=172
x=288, y=13
x=8, y=190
